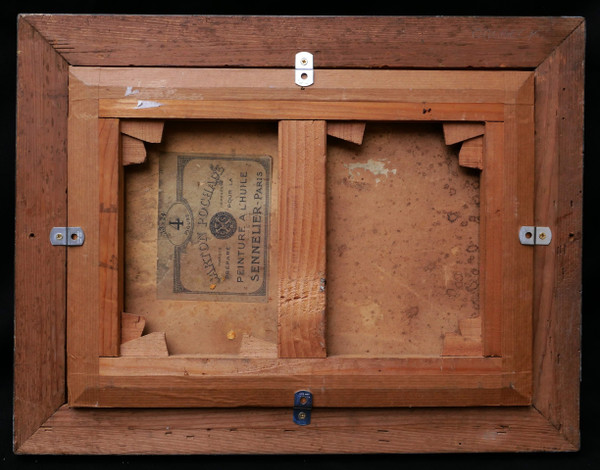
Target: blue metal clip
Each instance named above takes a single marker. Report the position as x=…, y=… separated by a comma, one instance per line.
x=302, y=407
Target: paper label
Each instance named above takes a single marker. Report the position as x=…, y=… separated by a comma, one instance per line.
x=213, y=227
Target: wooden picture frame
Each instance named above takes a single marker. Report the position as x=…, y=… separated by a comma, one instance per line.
x=61, y=90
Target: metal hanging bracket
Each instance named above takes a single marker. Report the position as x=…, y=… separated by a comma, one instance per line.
x=305, y=75
x=302, y=407
x=67, y=236
x=530, y=235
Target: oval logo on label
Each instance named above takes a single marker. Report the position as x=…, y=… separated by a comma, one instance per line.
x=223, y=225
x=177, y=224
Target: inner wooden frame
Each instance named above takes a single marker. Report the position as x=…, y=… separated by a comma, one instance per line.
x=552, y=48
x=99, y=98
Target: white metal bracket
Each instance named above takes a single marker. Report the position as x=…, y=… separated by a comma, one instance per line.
x=305, y=74
x=530, y=235
x=67, y=236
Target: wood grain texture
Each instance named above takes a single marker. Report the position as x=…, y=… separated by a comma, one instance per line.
x=83, y=263
x=41, y=203
x=350, y=131
x=517, y=259
x=559, y=177
x=111, y=228
x=471, y=153
x=297, y=110
x=491, y=42
x=209, y=84
x=370, y=390
x=455, y=132
x=142, y=129
x=302, y=244
x=132, y=326
x=251, y=41
x=235, y=431
x=490, y=235
x=188, y=365
x=150, y=345
x=133, y=150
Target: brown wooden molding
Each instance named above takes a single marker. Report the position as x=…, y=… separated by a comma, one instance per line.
x=553, y=48
x=41, y=203
x=559, y=201
x=375, y=42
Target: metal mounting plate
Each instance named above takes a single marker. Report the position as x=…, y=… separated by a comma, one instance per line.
x=305, y=75
x=530, y=235
x=302, y=407
x=67, y=236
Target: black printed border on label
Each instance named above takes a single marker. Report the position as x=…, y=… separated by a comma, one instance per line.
x=182, y=161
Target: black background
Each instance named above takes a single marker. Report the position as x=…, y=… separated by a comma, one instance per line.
x=586, y=458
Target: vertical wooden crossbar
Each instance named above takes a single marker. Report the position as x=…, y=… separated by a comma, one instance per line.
x=83, y=302
x=491, y=235
x=302, y=202
x=111, y=230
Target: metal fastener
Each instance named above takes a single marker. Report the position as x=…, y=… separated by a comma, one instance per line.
x=67, y=236
x=531, y=235
x=304, y=73
x=302, y=407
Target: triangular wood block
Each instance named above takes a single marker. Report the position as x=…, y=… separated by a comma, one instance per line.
x=457, y=345
x=350, y=131
x=455, y=132
x=150, y=345
x=148, y=130
x=470, y=327
x=132, y=326
x=134, y=150
x=471, y=153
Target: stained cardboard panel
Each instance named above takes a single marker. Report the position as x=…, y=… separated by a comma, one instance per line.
x=209, y=320
x=402, y=242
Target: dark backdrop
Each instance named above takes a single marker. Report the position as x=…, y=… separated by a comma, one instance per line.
x=587, y=458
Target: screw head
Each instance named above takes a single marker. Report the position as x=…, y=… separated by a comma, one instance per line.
x=59, y=236
x=301, y=415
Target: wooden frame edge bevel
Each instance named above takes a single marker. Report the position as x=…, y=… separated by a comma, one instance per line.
x=376, y=42
x=41, y=165
x=507, y=387
x=271, y=431
x=555, y=427
x=559, y=202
